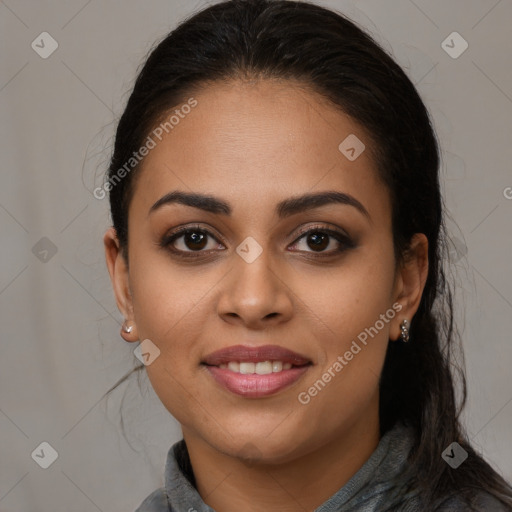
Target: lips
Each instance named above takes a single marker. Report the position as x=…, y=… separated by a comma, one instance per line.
x=227, y=367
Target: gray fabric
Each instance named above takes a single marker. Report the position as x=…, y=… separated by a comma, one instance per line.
x=380, y=485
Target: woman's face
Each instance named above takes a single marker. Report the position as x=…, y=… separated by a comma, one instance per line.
x=248, y=275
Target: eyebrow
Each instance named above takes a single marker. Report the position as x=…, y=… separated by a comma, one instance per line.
x=284, y=209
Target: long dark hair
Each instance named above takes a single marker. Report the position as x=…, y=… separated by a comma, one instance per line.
x=337, y=59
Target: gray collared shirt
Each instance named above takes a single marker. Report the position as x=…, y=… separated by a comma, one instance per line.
x=379, y=485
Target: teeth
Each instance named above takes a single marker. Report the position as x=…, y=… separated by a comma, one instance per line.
x=234, y=366
x=247, y=368
x=261, y=368
x=264, y=368
x=277, y=366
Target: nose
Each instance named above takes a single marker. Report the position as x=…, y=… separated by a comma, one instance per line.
x=255, y=295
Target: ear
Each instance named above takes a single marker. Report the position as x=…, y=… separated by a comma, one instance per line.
x=411, y=277
x=119, y=276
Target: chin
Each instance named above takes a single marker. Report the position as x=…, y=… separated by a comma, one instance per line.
x=259, y=448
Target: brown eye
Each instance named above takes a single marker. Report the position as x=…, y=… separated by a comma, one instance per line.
x=190, y=240
x=194, y=240
x=323, y=241
x=317, y=241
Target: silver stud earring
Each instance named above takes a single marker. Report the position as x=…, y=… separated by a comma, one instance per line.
x=404, y=328
x=127, y=328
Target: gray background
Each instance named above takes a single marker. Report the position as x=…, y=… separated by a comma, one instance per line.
x=59, y=325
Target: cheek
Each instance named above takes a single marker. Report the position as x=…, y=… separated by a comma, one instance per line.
x=170, y=307
x=353, y=310
x=352, y=297
x=351, y=340
x=164, y=296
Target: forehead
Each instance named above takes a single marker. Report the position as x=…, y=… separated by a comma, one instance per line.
x=259, y=141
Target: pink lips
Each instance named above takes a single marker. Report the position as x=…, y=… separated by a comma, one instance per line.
x=254, y=385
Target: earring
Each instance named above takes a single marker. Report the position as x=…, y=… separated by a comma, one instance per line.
x=404, y=335
x=127, y=328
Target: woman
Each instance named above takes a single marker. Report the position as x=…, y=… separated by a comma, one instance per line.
x=277, y=247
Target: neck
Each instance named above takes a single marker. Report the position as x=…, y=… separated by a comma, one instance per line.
x=228, y=484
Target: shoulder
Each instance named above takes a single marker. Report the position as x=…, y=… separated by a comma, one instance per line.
x=155, y=502
x=481, y=501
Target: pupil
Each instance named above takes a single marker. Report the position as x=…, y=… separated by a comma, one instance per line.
x=197, y=240
x=319, y=240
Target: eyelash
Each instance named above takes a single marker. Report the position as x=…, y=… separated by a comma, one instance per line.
x=344, y=241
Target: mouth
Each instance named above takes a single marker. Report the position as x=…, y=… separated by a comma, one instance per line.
x=255, y=372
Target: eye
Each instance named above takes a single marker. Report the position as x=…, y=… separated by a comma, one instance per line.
x=322, y=240
x=195, y=241
x=190, y=240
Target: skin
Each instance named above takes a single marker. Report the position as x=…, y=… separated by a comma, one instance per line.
x=254, y=144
